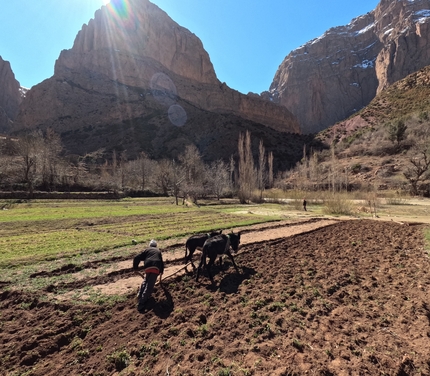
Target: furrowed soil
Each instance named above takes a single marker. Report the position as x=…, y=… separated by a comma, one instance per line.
x=317, y=297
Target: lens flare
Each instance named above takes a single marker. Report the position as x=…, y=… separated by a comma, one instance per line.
x=120, y=12
x=124, y=39
x=177, y=115
x=163, y=89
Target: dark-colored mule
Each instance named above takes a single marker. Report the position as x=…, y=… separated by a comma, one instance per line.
x=197, y=241
x=218, y=245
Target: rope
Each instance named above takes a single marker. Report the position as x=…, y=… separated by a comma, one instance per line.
x=171, y=275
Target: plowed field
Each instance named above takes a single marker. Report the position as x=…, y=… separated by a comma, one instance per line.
x=335, y=298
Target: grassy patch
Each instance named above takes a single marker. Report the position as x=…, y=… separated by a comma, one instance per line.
x=28, y=248
x=48, y=230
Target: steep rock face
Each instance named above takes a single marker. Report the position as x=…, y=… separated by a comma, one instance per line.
x=404, y=99
x=330, y=78
x=128, y=63
x=116, y=40
x=10, y=97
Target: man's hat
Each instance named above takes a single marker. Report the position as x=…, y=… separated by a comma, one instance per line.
x=152, y=243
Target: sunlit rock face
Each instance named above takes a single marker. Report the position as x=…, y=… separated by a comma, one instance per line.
x=10, y=96
x=135, y=62
x=331, y=77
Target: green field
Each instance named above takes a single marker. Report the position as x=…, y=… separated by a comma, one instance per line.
x=43, y=230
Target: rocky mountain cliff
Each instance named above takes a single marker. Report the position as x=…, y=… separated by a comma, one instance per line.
x=364, y=155
x=331, y=77
x=406, y=99
x=135, y=79
x=10, y=96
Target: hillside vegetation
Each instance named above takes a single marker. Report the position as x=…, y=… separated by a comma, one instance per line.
x=383, y=146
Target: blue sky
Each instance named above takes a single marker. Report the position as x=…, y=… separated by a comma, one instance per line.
x=246, y=39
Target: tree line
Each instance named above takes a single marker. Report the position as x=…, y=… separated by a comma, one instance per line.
x=35, y=161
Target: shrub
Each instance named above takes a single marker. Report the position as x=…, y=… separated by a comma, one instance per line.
x=396, y=200
x=257, y=199
x=355, y=168
x=174, y=331
x=121, y=359
x=297, y=344
x=203, y=330
x=338, y=205
x=224, y=372
x=397, y=131
x=297, y=203
x=423, y=116
x=82, y=355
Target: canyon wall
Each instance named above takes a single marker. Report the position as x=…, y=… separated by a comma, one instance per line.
x=10, y=96
x=124, y=58
x=331, y=77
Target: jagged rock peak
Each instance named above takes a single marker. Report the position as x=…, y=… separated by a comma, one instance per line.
x=133, y=45
x=10, y=96
x=117, y=40
x=136, y=65
x=335, y=75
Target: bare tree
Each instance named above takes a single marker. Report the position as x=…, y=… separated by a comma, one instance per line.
x=115, y=172
x=28, y=149
x=218, y=176
x=177, y=180
x=247, y=175
x=233, y=177
x=107, y=177
x=419, y=165
x=50, y=149
x=300, y=172
x=194, y=170
x=163, y=176
x=314, y=170
x=334, y=174
x=262, y=173
x=270, y=172
x=114, y=162
x=9, y=165
x=78, y=173
x=144, y=169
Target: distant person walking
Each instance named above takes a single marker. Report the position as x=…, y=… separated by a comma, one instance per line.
x=304, y=204
x=153, y=266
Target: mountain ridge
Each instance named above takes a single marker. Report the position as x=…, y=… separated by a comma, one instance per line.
x=120, y=91
x=331, y=77
x=116, y=64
